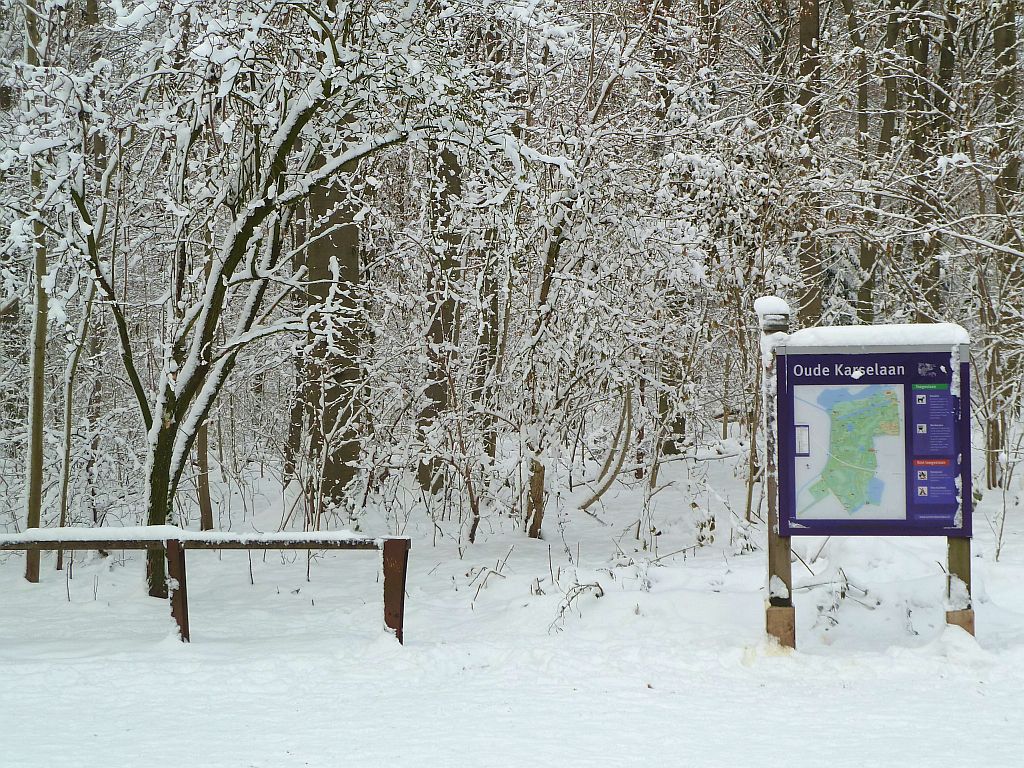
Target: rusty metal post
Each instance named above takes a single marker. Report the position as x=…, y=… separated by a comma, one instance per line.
x=780, y=615
x=396, y=562
x=177, y=586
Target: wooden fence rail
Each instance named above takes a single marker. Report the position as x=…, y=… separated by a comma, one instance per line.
x=175, y=541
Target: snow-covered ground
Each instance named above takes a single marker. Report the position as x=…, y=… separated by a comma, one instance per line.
x=579, y=650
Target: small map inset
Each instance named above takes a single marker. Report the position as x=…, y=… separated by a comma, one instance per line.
x=851, y=461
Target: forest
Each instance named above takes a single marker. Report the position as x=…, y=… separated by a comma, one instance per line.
x=476, y=271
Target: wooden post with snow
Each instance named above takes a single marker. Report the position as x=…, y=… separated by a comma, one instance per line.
x=960, y=610
x=780, y=617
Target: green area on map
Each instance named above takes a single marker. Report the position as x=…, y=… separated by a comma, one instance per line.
x=852, y=464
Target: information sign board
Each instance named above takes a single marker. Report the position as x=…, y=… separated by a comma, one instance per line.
x=873, y=439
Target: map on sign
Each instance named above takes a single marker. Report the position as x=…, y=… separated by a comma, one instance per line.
x=850, y=452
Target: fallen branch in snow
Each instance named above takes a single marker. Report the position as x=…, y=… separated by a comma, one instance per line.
x=804, y=564
x=488, y=572
x=574, y=593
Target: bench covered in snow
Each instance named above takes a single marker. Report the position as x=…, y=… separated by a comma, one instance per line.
x=394, y=549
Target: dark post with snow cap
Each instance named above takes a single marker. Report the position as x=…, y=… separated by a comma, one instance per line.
x=780, y=617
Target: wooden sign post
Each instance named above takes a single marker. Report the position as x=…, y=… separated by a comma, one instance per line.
x=780, y=615
x=958, y=583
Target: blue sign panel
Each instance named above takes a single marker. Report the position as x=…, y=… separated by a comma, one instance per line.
x=874, y=443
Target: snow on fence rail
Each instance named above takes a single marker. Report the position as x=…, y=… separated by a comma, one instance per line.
x=394, y=549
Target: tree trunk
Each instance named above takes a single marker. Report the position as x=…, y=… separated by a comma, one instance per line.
x=296, y=409
x=487, y=343
x=40, y=318
x=298, y=401
x=811, y=268
x=160, y=495
x=925, y=246
x=37, y=412
x=334, y=367
x=70, y=376
x=92, y=418
x=672, y=429
x=535, y=445
x=868, y=247
x=445, y=187
x=535, y=500
x=203, y=477
x=89, y=23
x=1005, y=323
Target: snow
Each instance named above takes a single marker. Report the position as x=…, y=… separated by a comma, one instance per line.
x=135, y=18
x=769, y=343
x=668, y=666
x=771, y=305
x=777, y=588
x=936, y=334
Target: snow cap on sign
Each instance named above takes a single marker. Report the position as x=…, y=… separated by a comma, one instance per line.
x=947, y=334
x=771, y=305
